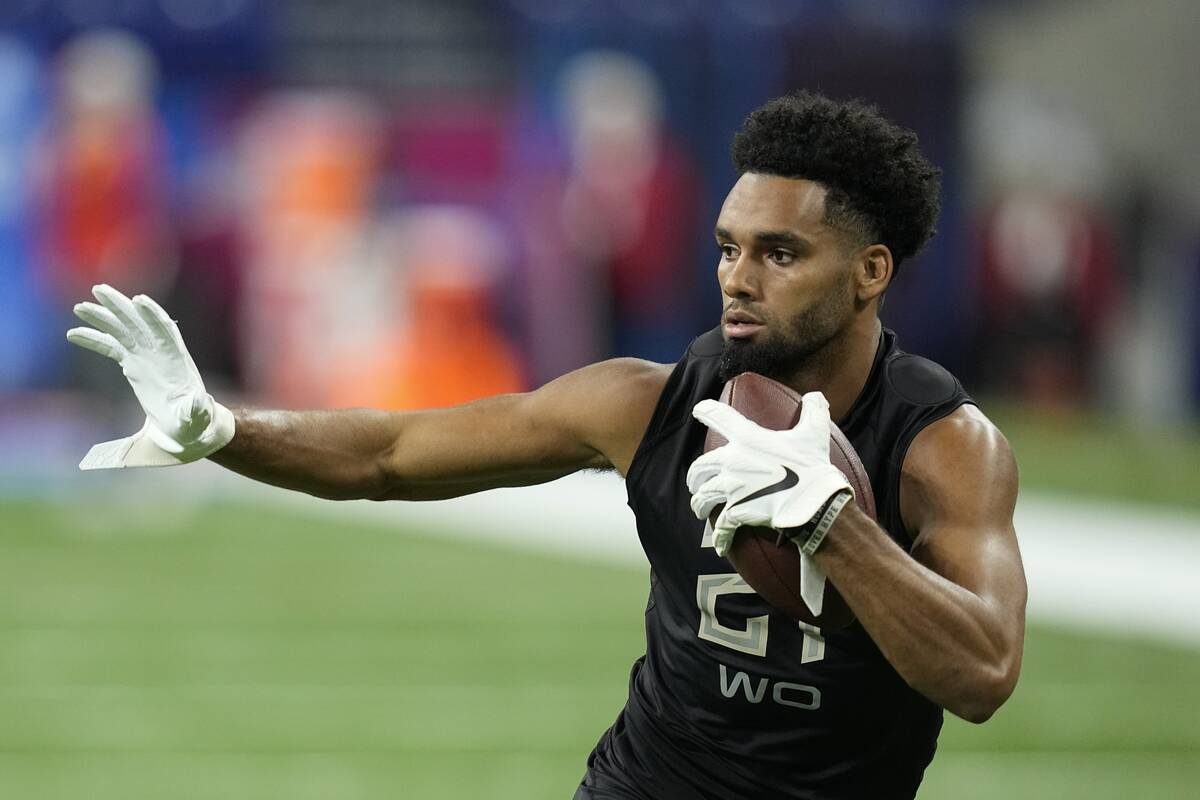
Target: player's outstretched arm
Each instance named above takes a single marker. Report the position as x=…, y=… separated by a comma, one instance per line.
x=591, y=418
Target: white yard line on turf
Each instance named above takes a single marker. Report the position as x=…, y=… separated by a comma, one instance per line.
x=1104, y=566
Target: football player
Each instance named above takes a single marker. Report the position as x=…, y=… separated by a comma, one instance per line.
x=732, y=699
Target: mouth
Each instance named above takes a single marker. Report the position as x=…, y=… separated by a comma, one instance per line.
x=740, y=325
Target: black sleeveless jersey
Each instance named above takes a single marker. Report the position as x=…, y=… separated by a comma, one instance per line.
x=734, y=699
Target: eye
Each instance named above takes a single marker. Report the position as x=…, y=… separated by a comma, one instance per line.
x=782, y=257
x=729, y=252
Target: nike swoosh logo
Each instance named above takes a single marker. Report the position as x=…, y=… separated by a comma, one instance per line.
x=788, y=480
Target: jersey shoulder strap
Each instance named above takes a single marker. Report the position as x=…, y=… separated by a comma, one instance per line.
x=920, y=381
x=910, y=393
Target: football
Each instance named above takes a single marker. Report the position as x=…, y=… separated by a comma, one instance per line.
x=773, y=570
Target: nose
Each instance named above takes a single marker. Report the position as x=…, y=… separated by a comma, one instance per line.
x=739, y=278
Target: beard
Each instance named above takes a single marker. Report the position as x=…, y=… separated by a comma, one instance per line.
x=785, y=347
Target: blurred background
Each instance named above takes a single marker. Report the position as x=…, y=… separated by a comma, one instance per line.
x=417, y=203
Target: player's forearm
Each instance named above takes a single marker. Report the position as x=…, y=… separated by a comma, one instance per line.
x=331, y=454
x=944, y=640
x=379, y=455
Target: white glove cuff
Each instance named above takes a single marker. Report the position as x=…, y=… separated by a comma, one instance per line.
x=143, y=449
x=219, y=432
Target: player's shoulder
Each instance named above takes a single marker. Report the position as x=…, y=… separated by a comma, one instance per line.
x=919, y=381
x=962, y=448
x=627, y=378
x=953, y=434
x=611, y=404
x=949, y=419
x=605, y=390
x=965, y=427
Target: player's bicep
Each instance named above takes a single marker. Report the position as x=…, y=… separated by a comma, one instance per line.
x=588, y=419
x=958, y=494
x=601, y=411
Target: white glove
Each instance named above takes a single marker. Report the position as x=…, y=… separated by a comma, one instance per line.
x=774, y=479
x=183, y=422
x=766, y=478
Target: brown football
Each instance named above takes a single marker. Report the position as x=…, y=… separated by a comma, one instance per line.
x=773, y=570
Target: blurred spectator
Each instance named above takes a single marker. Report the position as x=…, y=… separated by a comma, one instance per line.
x=630, y=198
x=102, y=170
x=1048, y=286
x=100, y=181
x=606, y=206
x=1049, y=281
x=307, y=170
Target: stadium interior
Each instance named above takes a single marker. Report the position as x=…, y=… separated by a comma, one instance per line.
x=414, y=204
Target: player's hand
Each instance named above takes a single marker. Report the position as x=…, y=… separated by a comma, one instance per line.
x=765, y=478
x=183, y=422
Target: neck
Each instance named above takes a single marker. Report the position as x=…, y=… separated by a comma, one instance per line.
x=840, y=370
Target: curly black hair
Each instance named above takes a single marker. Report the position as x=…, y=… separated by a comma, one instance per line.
x=879, y=186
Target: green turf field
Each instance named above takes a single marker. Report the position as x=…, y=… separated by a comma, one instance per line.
x=256, y=654
x=1093, y=455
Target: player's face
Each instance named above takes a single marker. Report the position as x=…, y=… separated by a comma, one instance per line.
x=785, y=275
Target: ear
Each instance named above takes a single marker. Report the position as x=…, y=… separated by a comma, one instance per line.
x=873, y=272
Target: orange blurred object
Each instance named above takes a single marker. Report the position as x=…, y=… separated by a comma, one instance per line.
x=447, y=352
